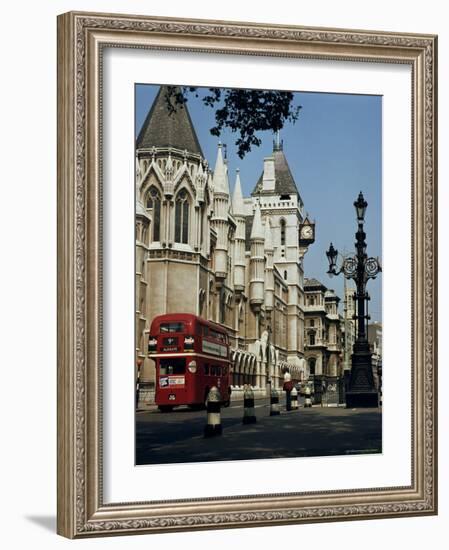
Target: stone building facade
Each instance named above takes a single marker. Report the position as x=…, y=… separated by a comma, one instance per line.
x=375, y=342
x=202, y=250
x=323, y=331
x=349, y=325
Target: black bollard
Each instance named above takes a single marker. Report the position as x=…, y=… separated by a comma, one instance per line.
x=294, y=397
x=249, y=415
x=213, y=405
x=274, y=403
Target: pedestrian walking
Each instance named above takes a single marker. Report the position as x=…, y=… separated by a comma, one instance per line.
x=287, y=387
x=308, y=400
x=323, y=393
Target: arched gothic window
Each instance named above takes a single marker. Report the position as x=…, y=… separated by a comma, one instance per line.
x=182, y=217
x=312, y=364
x=282, y=232
x=154, y=204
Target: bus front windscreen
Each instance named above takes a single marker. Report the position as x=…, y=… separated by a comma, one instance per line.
x=172, y=327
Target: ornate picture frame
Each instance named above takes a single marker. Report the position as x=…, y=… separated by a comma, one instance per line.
x=82, y=511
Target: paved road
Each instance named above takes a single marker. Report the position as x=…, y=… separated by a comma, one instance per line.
x=178, y=436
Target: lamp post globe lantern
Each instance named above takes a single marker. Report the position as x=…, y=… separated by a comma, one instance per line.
x=332, y=254
x=359, y=267
x=360, y=207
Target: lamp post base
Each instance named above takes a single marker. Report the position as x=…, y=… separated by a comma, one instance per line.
x=359, y=399
x=361, y=391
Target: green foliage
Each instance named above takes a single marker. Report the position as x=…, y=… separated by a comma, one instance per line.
x=244, y=112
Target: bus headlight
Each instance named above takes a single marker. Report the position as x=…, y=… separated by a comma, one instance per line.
x=188, y=342
x=192, y=367
x=152, y=344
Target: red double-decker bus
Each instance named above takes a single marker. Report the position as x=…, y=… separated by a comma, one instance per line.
x=191, y=356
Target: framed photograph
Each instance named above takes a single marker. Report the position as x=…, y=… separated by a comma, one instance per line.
x=247, y=274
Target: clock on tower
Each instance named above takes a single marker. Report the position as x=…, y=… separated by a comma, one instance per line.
x=306, y=232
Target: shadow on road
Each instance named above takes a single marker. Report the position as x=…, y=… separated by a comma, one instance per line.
x=178, y=436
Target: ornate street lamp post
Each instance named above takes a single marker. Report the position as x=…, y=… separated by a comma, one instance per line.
x=360, y=268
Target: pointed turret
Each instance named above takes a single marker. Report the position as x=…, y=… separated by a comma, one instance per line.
x=220, y=218
x=238, y=210
x=221, y=183
x=168, y=124
x=268, y=236
x=200, y=182
x=257, y=231
x=169, y=174
x=269, y=266
x=238, y=207
x=257, y=263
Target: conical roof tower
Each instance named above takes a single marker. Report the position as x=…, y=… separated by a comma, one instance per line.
x=284, y=182
x=167, y=126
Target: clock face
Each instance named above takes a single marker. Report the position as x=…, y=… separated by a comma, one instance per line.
x=307, y=232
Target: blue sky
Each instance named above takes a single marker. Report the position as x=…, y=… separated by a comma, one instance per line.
x=334, y=151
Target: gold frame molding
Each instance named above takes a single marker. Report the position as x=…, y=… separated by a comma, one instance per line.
x=81, y=37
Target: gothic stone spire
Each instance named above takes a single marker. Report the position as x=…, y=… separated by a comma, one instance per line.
x=167, y=126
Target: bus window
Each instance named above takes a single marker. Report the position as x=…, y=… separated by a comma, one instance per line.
x=172, y=365
x=172, y=327
x=225, y=371
x=206, y=369
x=217, y=335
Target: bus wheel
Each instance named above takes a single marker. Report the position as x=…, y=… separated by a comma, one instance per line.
x=165, y=408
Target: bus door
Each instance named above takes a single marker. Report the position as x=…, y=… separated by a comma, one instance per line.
x=172, y=378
